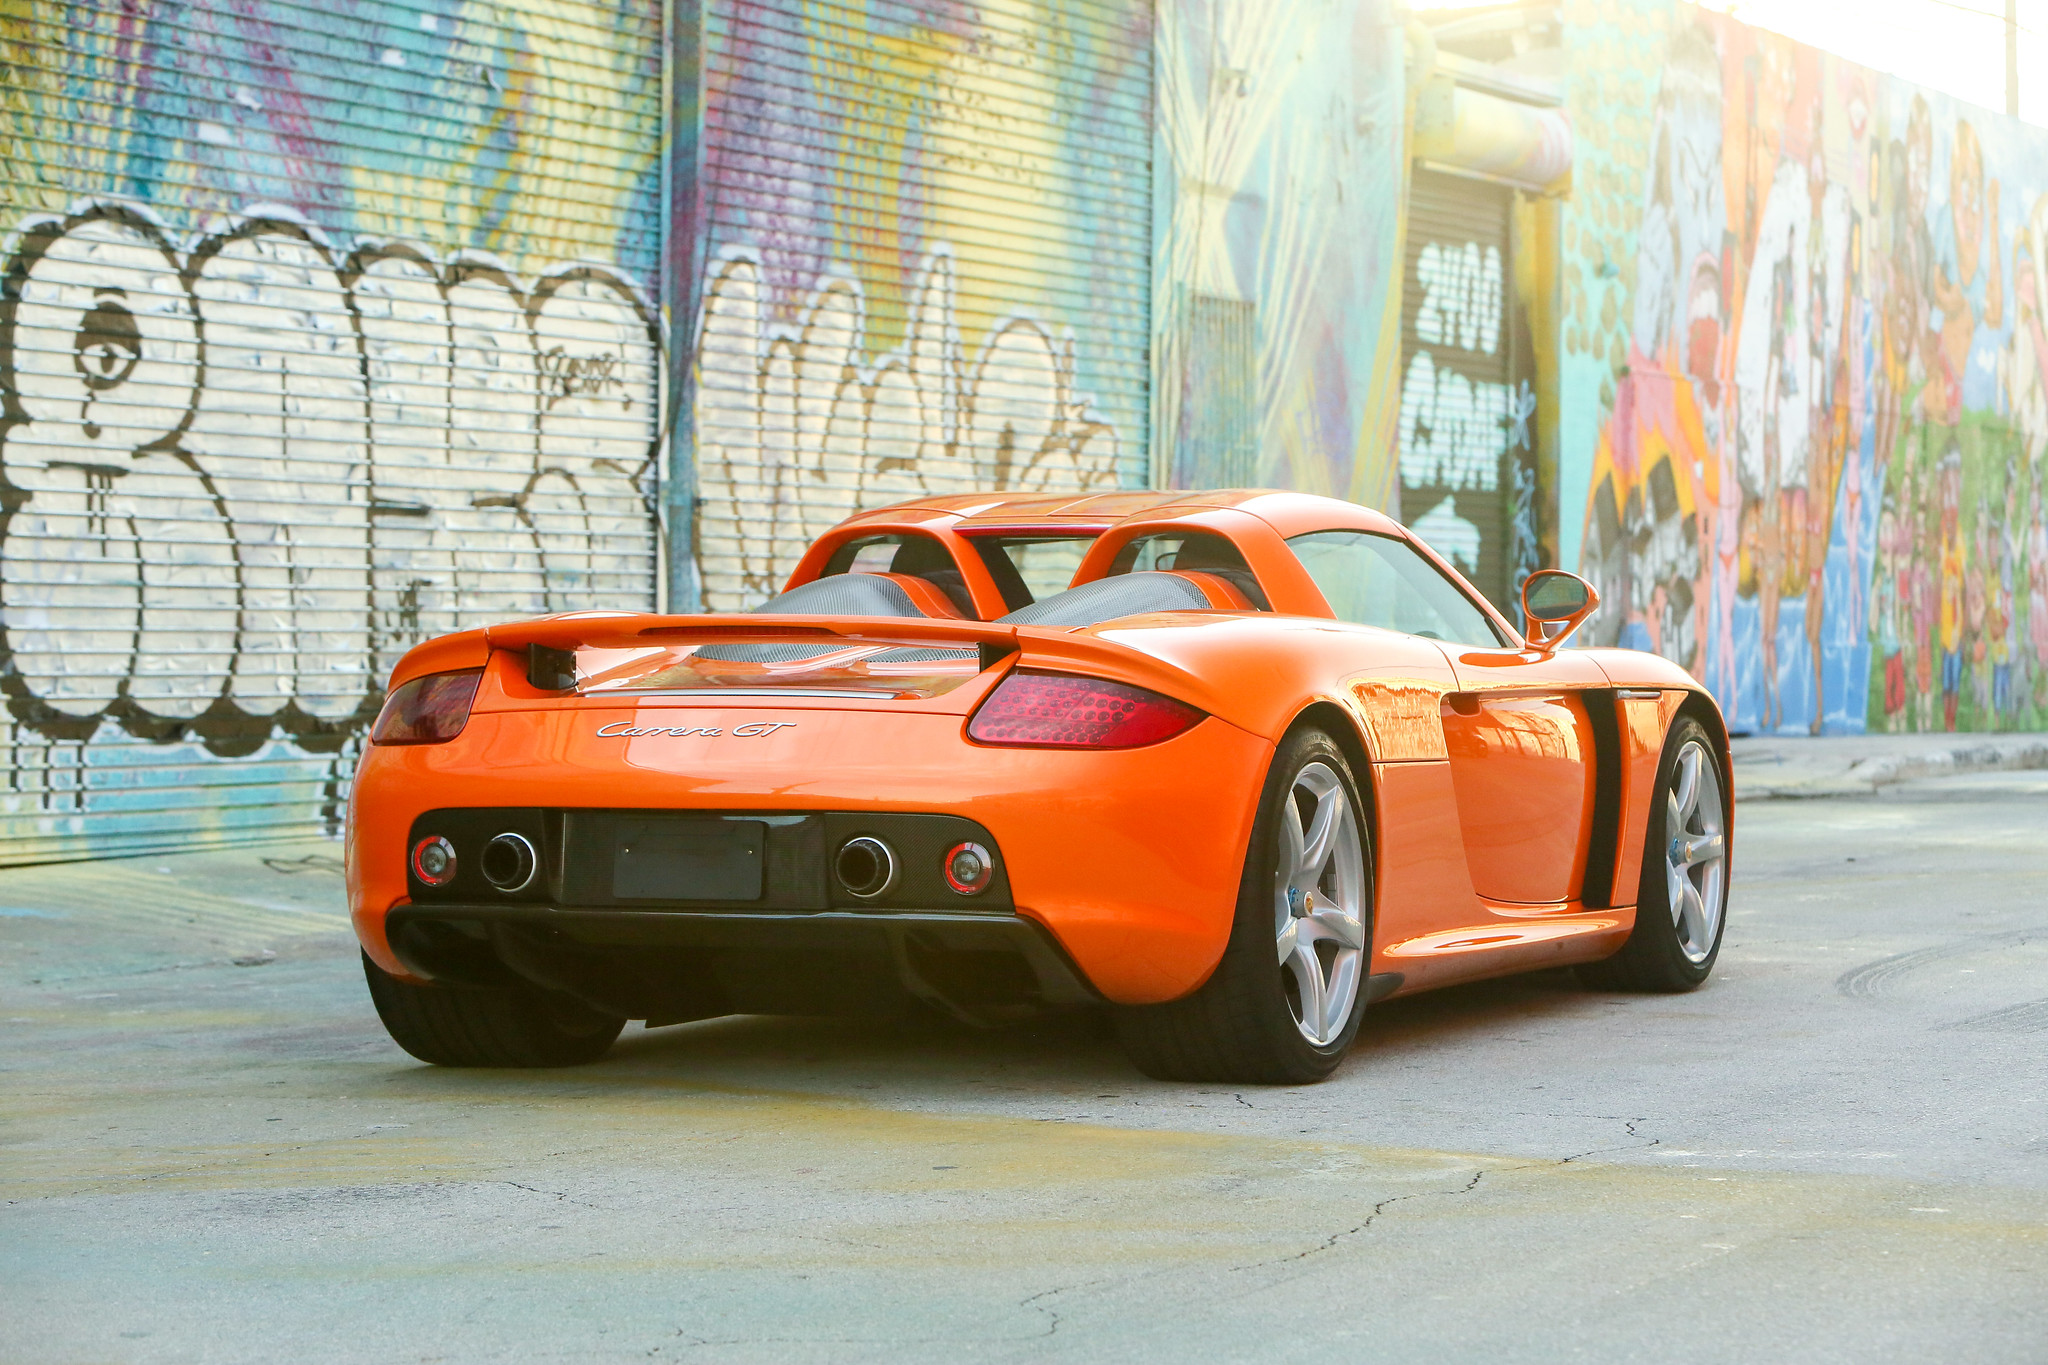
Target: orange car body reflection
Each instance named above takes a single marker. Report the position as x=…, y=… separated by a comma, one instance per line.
x=1508, y=787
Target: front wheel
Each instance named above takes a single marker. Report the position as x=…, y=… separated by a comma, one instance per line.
x=1283, y=1005
x=511, y=1026
x=1681, y=905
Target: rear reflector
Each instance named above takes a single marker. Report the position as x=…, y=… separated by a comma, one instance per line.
x=968, y=869
x=1059, y=711
x=429, y=710
x=433, y=860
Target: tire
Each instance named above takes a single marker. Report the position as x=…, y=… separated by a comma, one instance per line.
x=1682, y=903
x=463, y=1026
x=1246, y=1023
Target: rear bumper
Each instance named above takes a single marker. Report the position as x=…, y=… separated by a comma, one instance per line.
x=1127, y=861
x=668, y=965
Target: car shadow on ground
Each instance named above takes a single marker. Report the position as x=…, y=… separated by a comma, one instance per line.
x=1056, y=1054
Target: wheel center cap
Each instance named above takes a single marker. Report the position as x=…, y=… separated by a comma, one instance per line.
x=1300, y=902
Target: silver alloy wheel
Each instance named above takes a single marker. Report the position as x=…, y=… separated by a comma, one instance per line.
x=1695, y=851
x=1319, y=903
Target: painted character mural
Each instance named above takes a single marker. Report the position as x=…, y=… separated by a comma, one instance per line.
x=1655, y=500
x=1817, y=485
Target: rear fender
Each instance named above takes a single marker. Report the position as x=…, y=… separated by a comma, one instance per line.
x=443, y=654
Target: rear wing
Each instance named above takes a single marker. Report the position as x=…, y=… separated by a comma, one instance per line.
x=628, y=630
x=549, y=644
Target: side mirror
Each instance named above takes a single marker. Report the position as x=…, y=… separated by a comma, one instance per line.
x=1554, y=604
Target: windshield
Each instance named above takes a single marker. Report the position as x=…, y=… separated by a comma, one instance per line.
x=1375, y=580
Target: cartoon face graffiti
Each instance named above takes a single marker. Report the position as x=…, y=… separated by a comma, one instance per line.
x=105, y=348
x=1919, y=157
x=1966, y=200
x=1678, y=272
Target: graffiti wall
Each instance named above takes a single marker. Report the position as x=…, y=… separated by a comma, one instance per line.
x=321, y=332
x=1806, y=378
x=1276, y=316
x=1467, y=434
x=925, y=263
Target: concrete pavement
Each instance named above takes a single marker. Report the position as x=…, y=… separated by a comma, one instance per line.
x=1837, y=1151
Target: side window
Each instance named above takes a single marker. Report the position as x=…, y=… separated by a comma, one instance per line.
x=1374, y=580
x=875, y=554
x=919, y=556
x=1204, y=551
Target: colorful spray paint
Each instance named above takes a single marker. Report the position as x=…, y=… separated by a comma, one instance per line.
x=322, y=330
x=924, y=234
x=1804, y=378
x=1276, y=286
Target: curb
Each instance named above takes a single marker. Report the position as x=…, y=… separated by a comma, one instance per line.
x=1865, y=776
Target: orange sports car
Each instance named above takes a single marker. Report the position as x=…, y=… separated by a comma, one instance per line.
x=1232, y=765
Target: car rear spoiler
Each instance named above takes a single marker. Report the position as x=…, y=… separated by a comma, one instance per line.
x=549, y=643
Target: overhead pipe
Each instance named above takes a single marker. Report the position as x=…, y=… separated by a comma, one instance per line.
x=1472, y=130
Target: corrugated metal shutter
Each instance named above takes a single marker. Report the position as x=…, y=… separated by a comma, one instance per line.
x=929, y=237
x=252, y=456
x=1465, y=414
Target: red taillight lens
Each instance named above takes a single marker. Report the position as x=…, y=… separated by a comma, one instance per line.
x=1057, y=711
x=429, y=710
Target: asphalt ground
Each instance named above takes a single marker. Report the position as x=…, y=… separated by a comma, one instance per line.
x=1836, y=1151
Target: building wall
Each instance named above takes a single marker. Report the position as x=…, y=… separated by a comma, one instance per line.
x=325, y=328
x=1276, y=316
x=1467, y=437
x=922, y=234
x=1805, y=378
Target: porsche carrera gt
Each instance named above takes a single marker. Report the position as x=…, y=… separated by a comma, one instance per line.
x=1232, y=766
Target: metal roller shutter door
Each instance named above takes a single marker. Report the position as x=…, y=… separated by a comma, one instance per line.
x=252, y=456
x=929, y=237
x=1459, y=377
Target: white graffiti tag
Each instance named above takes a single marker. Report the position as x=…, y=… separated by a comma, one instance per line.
x=1454, y=428
x=797, y=429
x=241, y=478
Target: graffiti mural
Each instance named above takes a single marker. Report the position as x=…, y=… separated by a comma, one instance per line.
x=1276, y=299
x=1817, y=369
x=924, y=260
x=798, y=429
x=238, y=480
x=322, y=330
x=1460, y=412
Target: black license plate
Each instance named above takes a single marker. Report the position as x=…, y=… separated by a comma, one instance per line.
x=688, y=860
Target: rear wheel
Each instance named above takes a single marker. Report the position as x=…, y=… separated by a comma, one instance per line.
x=1284, y=1003
x=1682, y=902
x=512, y=1026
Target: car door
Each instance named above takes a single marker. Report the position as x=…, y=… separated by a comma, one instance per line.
x=1515, y=729
x=1523, y=762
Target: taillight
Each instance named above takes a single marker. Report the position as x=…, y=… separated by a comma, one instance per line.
x=429, y=710
x=1059, y=711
